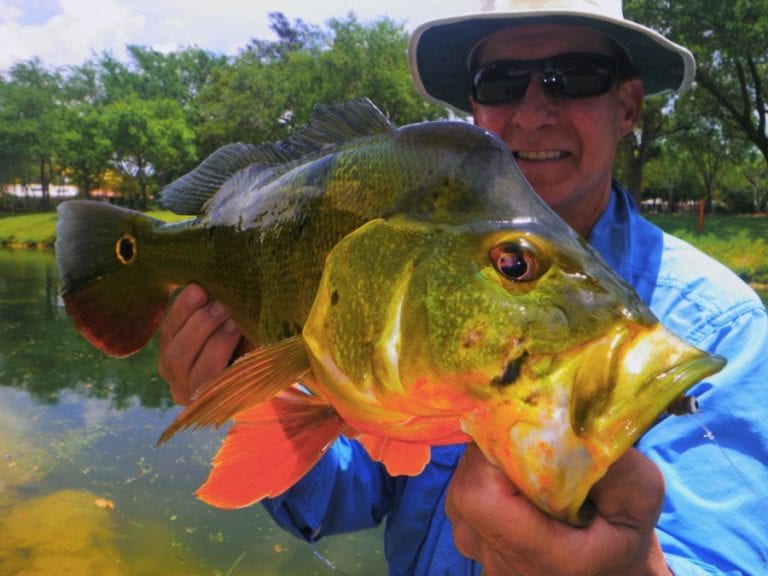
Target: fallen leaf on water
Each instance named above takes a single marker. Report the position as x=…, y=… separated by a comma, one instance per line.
x=104, y=503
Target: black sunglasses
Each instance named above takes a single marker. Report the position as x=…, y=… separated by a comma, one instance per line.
x=572, y=75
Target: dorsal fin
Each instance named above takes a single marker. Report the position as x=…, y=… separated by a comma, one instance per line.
x=188, y=194
x=328, y=126
x=333, y=125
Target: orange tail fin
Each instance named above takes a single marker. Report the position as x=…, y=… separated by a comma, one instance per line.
x=253, y=379
x=269, y=448
x=399, y=458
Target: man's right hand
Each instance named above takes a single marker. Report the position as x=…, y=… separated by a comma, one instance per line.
x=197, y=339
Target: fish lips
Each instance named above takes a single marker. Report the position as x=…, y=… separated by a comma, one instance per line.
x=602, y=396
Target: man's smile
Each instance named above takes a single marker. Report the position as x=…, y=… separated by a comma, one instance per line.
x=540, y=154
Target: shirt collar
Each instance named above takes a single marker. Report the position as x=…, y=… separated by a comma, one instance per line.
x=611, y=235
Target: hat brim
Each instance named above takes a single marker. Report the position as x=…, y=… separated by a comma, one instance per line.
x=439, y=50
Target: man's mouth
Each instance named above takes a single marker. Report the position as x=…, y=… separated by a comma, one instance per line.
x=540, y=154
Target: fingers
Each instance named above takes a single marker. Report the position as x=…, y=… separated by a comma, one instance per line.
x=483, y=505
x=196, y=341
x=631, y=493
x=494, y=524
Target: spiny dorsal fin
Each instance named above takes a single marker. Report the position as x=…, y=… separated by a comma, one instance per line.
x=328, y=126
x=332, y=125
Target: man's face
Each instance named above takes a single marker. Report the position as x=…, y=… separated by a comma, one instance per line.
x=564, y=146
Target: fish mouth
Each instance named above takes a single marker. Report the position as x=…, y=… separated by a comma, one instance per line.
x=593, y=405
x=644, y=371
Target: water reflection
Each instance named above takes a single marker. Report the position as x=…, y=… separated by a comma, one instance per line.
x=83, y=490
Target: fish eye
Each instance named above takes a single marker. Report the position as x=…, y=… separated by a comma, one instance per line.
x=517, y=261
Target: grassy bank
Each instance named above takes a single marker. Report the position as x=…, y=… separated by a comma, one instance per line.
x=740, y=242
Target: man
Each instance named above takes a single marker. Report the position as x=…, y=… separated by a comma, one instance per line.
x=561, y=83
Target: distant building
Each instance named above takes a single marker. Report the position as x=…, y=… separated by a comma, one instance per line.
x=55, y=191
x=36, y=190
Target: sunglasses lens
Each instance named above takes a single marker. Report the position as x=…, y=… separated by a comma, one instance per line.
x=500, y=82
x=578, y=78
x=568, y=75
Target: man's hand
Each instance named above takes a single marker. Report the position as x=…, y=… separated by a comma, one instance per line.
x=494, y=524
x=197, y=339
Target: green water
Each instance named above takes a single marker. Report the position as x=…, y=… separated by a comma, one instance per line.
x=83, y=489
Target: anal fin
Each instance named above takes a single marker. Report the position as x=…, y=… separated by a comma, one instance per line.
x=399, y=458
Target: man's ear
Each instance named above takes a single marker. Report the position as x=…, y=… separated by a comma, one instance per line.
x=631, y=94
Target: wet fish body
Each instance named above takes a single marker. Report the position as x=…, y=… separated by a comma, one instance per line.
x=414, y=285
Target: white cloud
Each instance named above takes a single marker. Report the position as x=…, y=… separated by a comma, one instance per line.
x=68, y=32
x=83, y=28
x=9, y=12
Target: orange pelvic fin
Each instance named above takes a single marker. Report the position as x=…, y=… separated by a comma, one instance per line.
x=253, y=379
x=399, y=458
x=269, y=448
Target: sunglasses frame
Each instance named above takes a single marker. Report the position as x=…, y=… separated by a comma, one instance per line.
x=554, y=80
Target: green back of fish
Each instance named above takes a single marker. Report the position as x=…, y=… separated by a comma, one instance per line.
x=260, y=241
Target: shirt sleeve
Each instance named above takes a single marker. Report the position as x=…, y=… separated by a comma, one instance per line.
x=715, y=515
x=345, y=491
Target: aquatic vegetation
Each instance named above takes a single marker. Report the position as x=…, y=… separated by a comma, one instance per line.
x=62, y=533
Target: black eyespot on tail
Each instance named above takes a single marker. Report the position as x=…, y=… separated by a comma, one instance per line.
x=126, y=249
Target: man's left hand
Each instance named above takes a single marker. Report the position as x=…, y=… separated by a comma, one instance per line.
x=494, y=524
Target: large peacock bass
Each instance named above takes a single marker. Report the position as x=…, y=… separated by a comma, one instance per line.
x=405, y=286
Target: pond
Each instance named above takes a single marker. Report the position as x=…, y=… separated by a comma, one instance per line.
x=84, y=490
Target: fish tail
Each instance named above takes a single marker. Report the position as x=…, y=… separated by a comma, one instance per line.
x=269, y=448
x=115, y=301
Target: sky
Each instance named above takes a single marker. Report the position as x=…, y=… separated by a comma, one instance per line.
x=70, y=32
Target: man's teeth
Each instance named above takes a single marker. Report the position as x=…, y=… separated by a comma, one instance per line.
x=540, y=155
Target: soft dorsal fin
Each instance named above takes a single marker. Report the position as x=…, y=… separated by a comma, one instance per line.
x=328, y=126
x=188, y=194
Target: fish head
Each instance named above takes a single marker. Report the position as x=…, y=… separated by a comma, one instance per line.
x=515, y=333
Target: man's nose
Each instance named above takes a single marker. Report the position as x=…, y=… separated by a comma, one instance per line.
x=536, y=108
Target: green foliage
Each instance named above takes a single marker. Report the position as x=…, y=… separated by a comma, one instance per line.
x=30, y=123
x=714, y=130
x=152, y=141
x=271, y=88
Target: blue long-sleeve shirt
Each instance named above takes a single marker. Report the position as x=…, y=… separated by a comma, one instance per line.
x=715, y=463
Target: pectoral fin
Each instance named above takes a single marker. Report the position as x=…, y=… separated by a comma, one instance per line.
x=253, y=379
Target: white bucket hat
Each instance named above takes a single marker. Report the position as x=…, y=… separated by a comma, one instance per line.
x=439, y=50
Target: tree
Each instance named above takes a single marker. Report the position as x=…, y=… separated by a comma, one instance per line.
x=728, y=41
x=272, y=87
x=30, y=123
x=151, y=141
x=86, y=147
x=643, y=145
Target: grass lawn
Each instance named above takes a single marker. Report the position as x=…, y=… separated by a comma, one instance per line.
x=740, y=242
